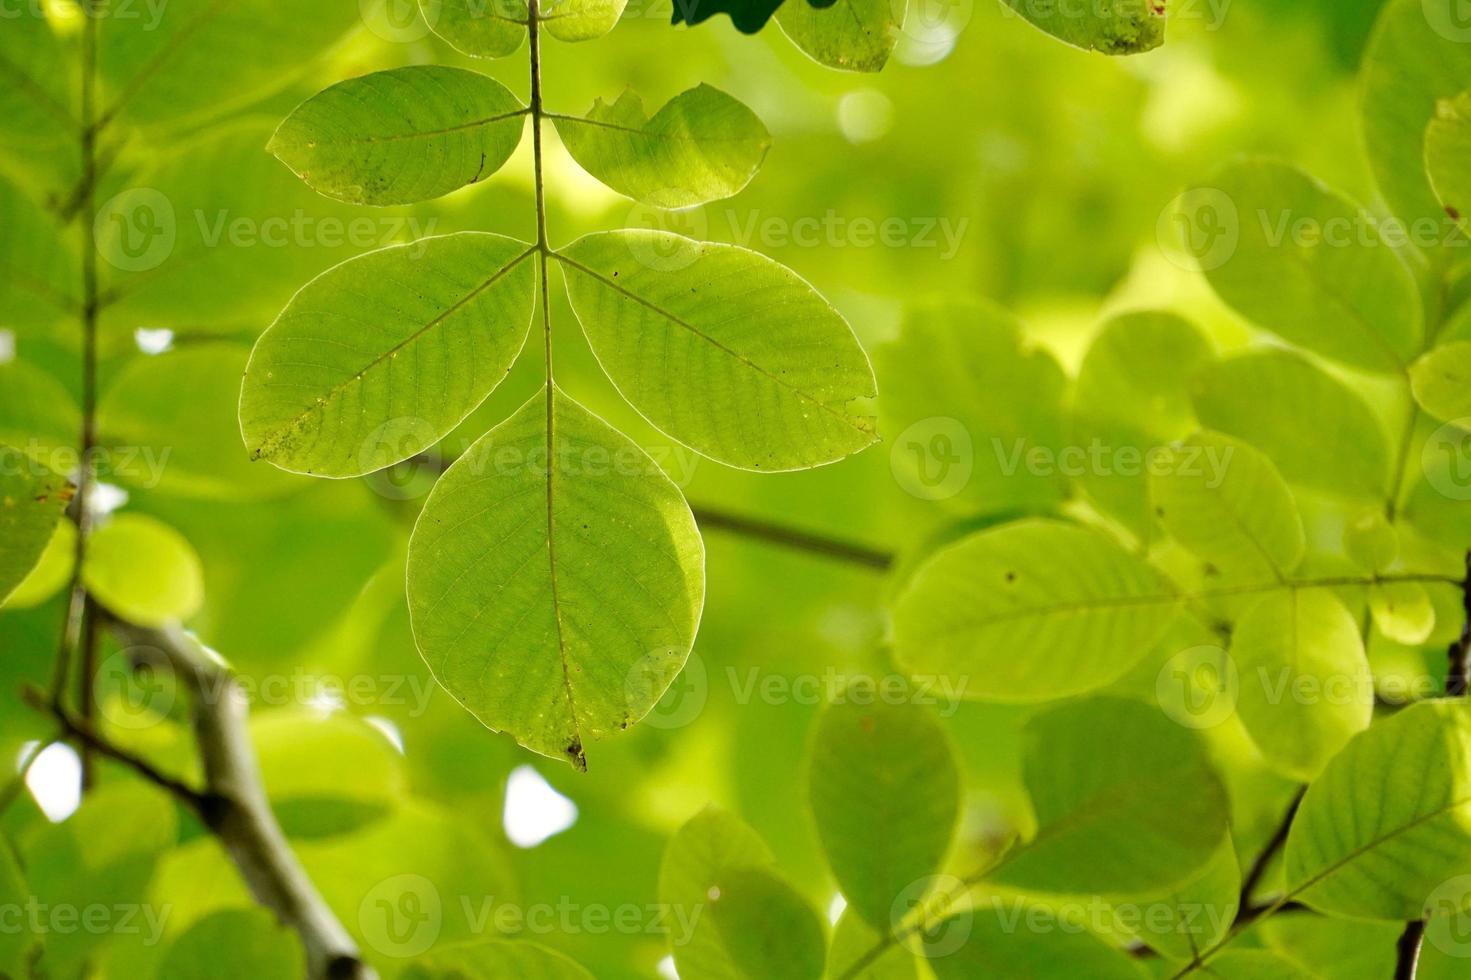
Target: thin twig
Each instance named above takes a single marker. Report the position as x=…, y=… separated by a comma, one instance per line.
x=713, y=519
x=1274, y=844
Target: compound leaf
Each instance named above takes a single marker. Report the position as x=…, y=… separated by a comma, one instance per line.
x=721, y=348
x=702, y=145
x=401, y=136
x=380, y=357
x=1003, y=609
x=555, y=579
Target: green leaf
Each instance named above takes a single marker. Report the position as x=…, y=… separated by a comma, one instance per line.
x=172, y=424
x=1441, y=381
x=1227, y=503
x=1002, y=942
x=52, y=571
x=1403, y=611
x=705, y=852
x=1132, y=394
x=966, y=402
x=555, y=579
x=853, y=939
x=40, y=267
x=479, y=28
x=1000, y=609
x=1255, y=964
x=769, y=931
x=1417, y=56
x=37, y=414
x=496, y=960
x=1386, y=823
x=1126, y=800
x=234, y=944
x=1196, y=915
x=17, y=945
x=321, y=393
x=1312, y=267
x=850, y=35
x=143, y=570
x=401, y=136
x=32, y=500
x=1306, y=688
x=101, y=856
x=1370, y=541
x=581, y=20
x=326, y=774
x=35, y=103
x=884, y=786
x=1118, y=27
x=1301, y=417
x=702, y=145
x=1447, y=145
x=722, y=349
x=190, y=60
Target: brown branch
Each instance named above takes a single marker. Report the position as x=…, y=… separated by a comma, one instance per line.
x=233, y=802
x=713, y=519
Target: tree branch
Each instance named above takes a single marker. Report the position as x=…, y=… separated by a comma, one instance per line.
x=1407, y=950
x=713, y=519
x=233, y=802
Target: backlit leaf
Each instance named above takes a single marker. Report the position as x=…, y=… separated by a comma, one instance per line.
x=702, y=145
x=496, y=960
x=1386, y=823
x=1001, y=943
x=851, y=35
x=1441, y=381
x=1118, y=27
x=555, y=579
x=1312, y=267
x=999, y=609
x=722, y=348
x=1227, y=503
x=479, y=28
x=362, y=370
x=402, y=135
x=143, y=570
x=1301, y=417
x=1305, y=683
x=769, y=930
x=32, y=499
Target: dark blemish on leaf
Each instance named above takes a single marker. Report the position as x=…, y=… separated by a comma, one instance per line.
x=1011, y=576
x=1455, y=213
x=575, y=754
x=866, y=723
